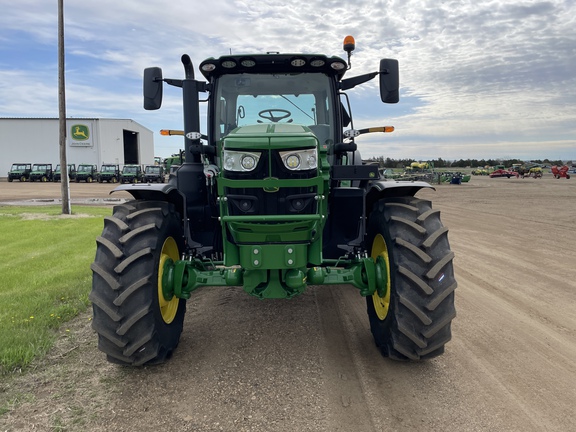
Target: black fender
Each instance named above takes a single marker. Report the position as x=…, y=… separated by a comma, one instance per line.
x=156, y=192
x=187, y=191
x=392, y=188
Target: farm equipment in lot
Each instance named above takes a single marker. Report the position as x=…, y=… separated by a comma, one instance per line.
x=19, y=171
x=42, y=173
x=86, y=172
x=58, y=172
x=109, y=173
x=533, y=172
x=529, y=171
x=419, y=171
x=480, y=171
x=154, y=174
x=454, y=177
x=560, y=172
x=172, y=163
x=131, y=174
x=502, y=172
x=273, y=198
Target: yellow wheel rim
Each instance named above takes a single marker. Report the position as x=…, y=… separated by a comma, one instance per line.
x=381, y=304
x=168, y=308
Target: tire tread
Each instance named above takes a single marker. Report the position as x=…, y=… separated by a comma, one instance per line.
x=418, y=323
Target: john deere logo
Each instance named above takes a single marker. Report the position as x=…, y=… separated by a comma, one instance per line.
x=271, y=189
x=80, y=132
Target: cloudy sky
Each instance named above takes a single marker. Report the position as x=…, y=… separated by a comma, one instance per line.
x=479, y=78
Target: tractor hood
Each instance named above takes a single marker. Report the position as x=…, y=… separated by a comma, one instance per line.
x=270, y=136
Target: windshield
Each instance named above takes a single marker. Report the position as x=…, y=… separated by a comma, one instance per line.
x=153, y=170
x=84, y=167
x=108, y=168
x=20, y=167
x=40, y=167
x=247, y=99
x=130, y=169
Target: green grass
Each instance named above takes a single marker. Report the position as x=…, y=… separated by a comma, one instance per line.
x=45, y=276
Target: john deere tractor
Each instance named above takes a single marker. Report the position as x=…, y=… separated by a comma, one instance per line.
x=272, y=198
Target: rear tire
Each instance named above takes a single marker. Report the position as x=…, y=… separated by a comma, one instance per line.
x=135, y=324
x=413, y=322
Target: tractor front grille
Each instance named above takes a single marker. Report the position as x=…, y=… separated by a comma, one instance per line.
x=281, y=201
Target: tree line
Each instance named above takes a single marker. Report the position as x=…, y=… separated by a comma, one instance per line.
x=461, y=163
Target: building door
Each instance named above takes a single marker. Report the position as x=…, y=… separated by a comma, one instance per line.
x=131, y=154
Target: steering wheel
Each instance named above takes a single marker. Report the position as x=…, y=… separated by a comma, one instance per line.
x=275, y=114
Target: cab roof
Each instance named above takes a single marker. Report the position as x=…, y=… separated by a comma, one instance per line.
x=213, y=68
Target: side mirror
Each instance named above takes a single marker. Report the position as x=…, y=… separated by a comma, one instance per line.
x=389, y=81
x=152, y=88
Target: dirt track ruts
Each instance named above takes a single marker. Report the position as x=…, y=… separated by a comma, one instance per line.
x=310, y=364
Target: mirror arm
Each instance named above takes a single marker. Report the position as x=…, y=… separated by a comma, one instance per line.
x=172, y=82
x=354, y=81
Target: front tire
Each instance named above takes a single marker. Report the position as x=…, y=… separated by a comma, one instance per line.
x=135, y=324
x=412, y=320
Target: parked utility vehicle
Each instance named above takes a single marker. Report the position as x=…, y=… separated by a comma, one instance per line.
x=274, y=198
x=86, y=172
x=131, y=174
x=58, y=172
x=19, y=171
x=154, y=174
x=41, y=172
x=109, y=173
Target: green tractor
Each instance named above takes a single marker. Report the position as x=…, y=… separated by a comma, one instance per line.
x=274, y=198
x=172, y=163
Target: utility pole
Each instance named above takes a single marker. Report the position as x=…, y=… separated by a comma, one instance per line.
x=65, y=184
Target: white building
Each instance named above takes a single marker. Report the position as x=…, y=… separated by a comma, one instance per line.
x=89, y=141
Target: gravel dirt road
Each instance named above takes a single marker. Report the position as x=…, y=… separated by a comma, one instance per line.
x=310, y=364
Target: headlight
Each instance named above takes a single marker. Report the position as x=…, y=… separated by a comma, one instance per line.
x=300, y=160
x=248, y=162
x=292, y=161
x=240, y=161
